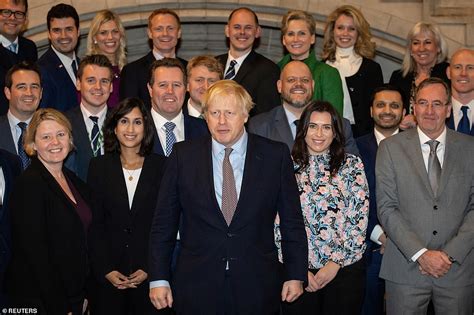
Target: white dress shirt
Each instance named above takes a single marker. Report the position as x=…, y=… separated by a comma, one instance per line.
x=192, y=111
x=6, y=43
x=90, y=124
x=2, y=186
x=14, y=128
x=425, y=150
x=160, y=122
x=239, y=61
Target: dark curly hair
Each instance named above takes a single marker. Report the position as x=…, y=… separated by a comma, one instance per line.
x=300, y=151
x=111, y=143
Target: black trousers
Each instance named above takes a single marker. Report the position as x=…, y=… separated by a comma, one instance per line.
x=344, y=295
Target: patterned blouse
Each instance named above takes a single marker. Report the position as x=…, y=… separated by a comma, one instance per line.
x=335, y=211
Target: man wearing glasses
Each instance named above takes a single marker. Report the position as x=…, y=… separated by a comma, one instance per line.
x=425, y=201
x=14, y=48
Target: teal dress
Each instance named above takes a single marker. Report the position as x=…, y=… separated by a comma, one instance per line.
x=327, y=82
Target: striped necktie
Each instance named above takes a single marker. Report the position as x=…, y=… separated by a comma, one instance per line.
x=25, y=160
x=95, y=136
x=230, y=74
x=170, y=137
x=229, y=191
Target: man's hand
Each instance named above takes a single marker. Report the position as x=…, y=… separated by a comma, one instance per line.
x=326, y=274
x=434, y=263
x=312, y=284
x=161, y=297
x=292, y=289
x=408, y=122
x=118, y=280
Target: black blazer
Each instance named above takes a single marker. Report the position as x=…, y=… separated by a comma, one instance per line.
x=258, y=75
x=361, y=86
x=118, y=237
x=11, y=167
x=49, y=248
x=135, y=76
x=193, y=128
x=26, y=51
x=404, y=83
x=59, y=91
x=207, y=243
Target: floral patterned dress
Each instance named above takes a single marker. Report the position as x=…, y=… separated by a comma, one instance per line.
x=335, y=211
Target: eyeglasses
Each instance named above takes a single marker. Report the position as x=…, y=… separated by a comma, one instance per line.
x=6, y=13
x=434, y=104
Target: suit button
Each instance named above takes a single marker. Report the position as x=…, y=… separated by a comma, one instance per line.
x=126, y=246
x=128, y=230
x=435, y=207
x=435, y=232
x=230, y=235
x=224, y=259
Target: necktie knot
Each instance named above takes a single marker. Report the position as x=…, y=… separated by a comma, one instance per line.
x=227, y=152
x=94, y=119
x=464, y=109
x=433, y=146
x=74, y=67
x=296, y=122
x=12, y=47
x=464, y=125
x=22, y=126
x=231, y=71
x=169, y=126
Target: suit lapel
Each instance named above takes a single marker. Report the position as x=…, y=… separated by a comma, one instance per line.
x=117, y=179
x=252, y=167
x=246, y=67
x=282, y=127
x=6, y=136
x=413, y=150
x=143, y=186
x=451, y=152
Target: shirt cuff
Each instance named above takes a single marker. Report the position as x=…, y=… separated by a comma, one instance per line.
x=376, y=232
x=159, y=283
x=415, y=257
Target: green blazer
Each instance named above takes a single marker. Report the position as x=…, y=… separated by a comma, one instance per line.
x=327, y=82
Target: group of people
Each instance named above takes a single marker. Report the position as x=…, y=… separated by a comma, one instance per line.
x=231, y=184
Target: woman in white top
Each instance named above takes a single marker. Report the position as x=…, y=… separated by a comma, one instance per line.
x=348, y=47
x=125, y=183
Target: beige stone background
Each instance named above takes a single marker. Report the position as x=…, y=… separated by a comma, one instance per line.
x=203, y=23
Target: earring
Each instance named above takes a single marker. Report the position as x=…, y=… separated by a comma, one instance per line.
x=95, y=42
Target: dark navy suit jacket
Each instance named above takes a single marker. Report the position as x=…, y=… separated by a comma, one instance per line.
x=193, y=128
x=450, y=124
x=59, y=91
x=6, y=138
x=367, y=145
x=26, y=51
x=207, y=242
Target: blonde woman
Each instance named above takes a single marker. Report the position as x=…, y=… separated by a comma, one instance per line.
x=348, y=47
x=107, y=37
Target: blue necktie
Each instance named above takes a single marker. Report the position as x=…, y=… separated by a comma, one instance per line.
x=464, y=126
x=230, y=74
x=12, y=47
x=170, y=137
x=95, y=134
x=25, y=160
x=74, y=67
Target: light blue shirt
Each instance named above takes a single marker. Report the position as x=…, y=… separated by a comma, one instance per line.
x=237, y=160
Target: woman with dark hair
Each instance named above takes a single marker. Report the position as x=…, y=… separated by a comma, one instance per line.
x=50, y=216
x=125, y=183
x=334, y=199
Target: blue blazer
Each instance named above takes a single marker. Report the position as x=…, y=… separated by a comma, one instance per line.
x=207, y=242
x=59, y=91
x=450, y=124
x=193, y=128
x=6, y=138
x=26, y=51
x=367, y=145
x=11, y=167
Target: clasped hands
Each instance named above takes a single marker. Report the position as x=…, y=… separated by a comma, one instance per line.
x=122, y=282
x=325, y=275
x=434, y=263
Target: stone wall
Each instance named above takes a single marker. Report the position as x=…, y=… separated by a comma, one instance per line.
x=203, y=23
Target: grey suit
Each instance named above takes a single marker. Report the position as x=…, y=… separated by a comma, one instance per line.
x=6, y=138
x=414, y=219
x=274, y=125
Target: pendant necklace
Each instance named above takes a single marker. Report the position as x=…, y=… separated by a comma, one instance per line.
x=130, y=174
